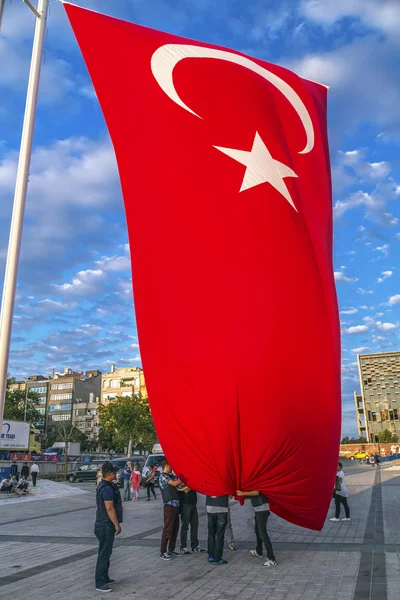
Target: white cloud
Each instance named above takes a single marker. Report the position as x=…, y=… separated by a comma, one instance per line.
x=72, y=181
x=85, y=284
x=364, y=292
x=383, y=15
x=115, y=263
x=361, y=350
x=394, y=299
x=349, y=311
x=384, y=249
x=357, y=329
x=360, y=72
x=385, y=275
x=385, y=326
x=341, y=277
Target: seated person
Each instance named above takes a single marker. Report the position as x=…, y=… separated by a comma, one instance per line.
x=6, y=485
x=23, y=484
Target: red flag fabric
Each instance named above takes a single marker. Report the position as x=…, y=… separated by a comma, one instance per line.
x=224, y=166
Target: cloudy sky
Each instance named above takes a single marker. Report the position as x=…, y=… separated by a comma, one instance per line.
x=74, y=305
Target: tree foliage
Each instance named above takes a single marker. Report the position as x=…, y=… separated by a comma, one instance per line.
x=14, y=408
x=348, y=440
x=126, y=419
x=65, y=433
x=387, y=437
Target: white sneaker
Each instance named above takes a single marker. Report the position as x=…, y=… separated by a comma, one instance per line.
x=334, y=519
x=270, y=563
x=346, y=519
x=255, y=553
x=185, y=551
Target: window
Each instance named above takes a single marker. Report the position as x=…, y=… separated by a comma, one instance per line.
x=84, y=468
x=61, y=386
x=395, y=414
x=61, y=396
x=39, y=390
x=60, y=418
x=91, y=397
x=53, y=407
x=41, y=410
x=106, y=383
x=374, y=416
x=114, y=383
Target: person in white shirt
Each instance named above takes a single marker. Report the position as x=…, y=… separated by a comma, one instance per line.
x=341, y=495
x=34, y=473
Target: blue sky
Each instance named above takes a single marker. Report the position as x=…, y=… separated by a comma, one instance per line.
x=74, y=305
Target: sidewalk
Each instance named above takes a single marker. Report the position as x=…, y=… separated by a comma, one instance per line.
x=54, y=554
x=45, y=489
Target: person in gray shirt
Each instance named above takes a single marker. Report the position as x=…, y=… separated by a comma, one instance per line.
x=261, y=513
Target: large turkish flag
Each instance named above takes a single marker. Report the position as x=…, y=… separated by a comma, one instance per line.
x=224, y=166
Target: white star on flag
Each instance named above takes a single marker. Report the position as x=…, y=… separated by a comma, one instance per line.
x=261, y=168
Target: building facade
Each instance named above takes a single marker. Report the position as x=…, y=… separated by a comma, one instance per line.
x=39, y=385
x=125, y=381
x=378, y=405
x=71, y=392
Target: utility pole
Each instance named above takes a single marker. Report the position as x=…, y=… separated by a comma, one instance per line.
x=14, y=245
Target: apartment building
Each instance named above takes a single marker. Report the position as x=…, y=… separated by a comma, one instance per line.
x=39, y=385
x=70, y=392
x=378, y=404
x=124, y=381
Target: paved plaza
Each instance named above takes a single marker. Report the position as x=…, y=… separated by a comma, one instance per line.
x=48, y=550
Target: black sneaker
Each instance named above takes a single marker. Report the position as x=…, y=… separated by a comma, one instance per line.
x=103, y=588
x=110, y=581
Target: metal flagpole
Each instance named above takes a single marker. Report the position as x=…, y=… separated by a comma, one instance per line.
x=14, y=244
x=2, y=3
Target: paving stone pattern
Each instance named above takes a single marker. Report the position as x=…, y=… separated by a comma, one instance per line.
x=47, y=549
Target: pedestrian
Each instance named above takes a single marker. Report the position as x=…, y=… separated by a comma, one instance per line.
x=149, y=482
x=169, y=484
x=229, y=532
x=377, y=459
x=217, y=521
x=189, y=516
x=99, y=475
x=341, y=495
x=107, y=524
x=127, y=481
x=25, y=470
x=14, y=469
x=261, y=514
x=372, y=459
x=136, y=478
x=34, y=472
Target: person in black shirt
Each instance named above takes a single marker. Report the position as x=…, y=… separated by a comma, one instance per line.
x=107, y=525
x=25, y=470
x=189, y=516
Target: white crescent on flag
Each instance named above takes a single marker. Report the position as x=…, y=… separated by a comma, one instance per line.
x=261, y=167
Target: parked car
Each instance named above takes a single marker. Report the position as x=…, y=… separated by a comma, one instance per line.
x=156, y=461
x=359, y=455
x=121, y=462
x=86, y=472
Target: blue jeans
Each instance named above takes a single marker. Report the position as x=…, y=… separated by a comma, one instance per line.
x=217, y=523
x=127, y=489
x=105, y=534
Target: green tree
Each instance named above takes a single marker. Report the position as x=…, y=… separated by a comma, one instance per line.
x=359, y=440
x=126, y=421
x=387, y=437
x=14, y=408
